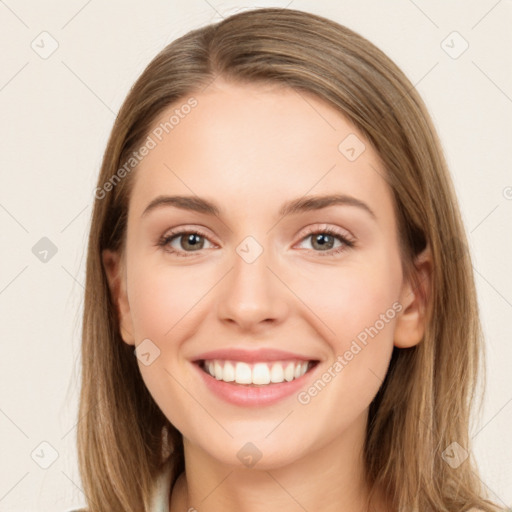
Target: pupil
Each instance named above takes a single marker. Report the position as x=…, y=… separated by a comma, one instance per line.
x=193, y=240
x=323, y=240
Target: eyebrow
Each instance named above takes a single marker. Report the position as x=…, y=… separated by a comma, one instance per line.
x=302, y=204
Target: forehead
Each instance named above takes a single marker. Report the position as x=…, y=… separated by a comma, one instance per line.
x=251, y=146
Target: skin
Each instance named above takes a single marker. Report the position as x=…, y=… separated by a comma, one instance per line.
x=250, y=148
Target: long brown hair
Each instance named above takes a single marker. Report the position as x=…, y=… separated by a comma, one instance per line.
x=424, y=404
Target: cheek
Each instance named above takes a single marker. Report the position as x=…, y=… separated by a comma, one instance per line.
x=162, y=310
x=352, y=299
x=152, y=304
x=161, y=299
x=360, y=307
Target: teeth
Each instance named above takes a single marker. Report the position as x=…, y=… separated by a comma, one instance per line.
x=243, y=374
x=228, y=373
x=217, y=369
x=257, y=373
x=260, y=374
x=277, y=373
x=289, y=372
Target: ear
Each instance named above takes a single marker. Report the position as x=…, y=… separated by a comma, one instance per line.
x=116, y=276
x=414, y=297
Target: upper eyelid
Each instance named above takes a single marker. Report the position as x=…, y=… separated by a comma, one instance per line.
x=342, y=232
x=176, y=232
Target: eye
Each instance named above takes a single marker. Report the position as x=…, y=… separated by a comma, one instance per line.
x=177, y=243
x=325, y=240
x=183, y=242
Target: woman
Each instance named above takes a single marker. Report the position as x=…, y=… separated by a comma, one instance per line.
x=280, y=310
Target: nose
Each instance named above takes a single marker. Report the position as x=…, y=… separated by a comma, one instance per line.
x=252, y=296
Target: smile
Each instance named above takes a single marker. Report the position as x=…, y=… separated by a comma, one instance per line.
x=255, y=383
x=259, y=373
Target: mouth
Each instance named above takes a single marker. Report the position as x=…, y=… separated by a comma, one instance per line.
x=256, y=374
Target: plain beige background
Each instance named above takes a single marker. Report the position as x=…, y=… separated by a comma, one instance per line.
x=67, y=66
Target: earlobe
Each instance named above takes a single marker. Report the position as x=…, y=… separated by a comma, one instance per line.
x=415, y=296
x=113, y=265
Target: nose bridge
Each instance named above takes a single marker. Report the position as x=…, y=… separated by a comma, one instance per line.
x=251, y=294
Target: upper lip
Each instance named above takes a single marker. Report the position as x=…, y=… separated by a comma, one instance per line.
x=250, y=356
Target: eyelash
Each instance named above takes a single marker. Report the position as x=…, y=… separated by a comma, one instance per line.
x=347, y=242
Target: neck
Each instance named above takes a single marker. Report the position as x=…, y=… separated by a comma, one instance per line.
x=329, y=478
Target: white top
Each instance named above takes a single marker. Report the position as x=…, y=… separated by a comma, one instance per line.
x=161, y=491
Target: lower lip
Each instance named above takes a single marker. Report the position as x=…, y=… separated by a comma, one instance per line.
x=248, y=396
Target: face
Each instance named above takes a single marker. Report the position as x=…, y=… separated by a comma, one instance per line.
x=256, y=291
